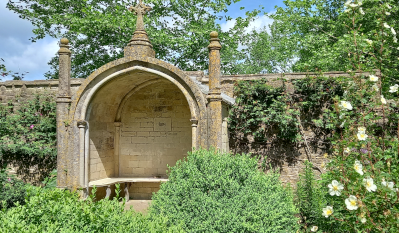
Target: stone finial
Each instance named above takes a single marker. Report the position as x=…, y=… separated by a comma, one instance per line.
x=139, y=44
x=140, y=10
x=215, y=41
x=64, y=46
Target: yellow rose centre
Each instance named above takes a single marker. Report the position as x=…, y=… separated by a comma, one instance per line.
x=335, y=188
x=356, y=167
x=368, y=184
x=345, y=105
x=353, y=203
x=328, y=212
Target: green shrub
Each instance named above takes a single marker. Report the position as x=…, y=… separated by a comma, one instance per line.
x=213, y=192
x=55, y=210
x=12, y=190
x=28, y=137
x=310, y=198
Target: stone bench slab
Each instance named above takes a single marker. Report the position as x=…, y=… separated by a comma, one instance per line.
x=110, y=181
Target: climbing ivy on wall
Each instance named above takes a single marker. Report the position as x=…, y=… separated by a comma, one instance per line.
x=263, y=112
x=28, y=136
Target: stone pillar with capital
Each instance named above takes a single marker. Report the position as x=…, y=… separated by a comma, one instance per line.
x=214, y=96
x=63, y=101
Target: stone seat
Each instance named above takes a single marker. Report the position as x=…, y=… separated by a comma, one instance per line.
x=107, y=182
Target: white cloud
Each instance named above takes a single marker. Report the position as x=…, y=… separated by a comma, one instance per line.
x=18, y=52
x=258, y=24
x=32, y=58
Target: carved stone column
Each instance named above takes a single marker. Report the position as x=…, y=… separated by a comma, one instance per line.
x=82, y=162
x=116, y=147
x=214, y=96
x=63, y=101
x=194, y=126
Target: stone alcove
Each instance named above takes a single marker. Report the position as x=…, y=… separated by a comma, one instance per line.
x=134, y=116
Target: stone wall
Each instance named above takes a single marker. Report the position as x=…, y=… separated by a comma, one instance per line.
x=171, y=132
x=14, y=90
x=155, y=131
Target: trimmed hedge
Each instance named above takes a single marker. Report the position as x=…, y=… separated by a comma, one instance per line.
x=214, y=192
x=54, y=210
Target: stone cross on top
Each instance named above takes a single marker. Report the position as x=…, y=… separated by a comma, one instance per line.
x=140, y=9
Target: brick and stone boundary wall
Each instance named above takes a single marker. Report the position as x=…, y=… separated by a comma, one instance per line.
x=11, y=90
x=289, y=159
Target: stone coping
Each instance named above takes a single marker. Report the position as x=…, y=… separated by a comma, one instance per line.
x=110, y=181
x=199, y=75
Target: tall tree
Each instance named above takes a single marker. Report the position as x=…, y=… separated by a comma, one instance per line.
x=99, y=29
x=315, y=35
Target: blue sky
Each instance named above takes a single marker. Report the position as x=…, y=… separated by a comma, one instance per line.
x=22, y=55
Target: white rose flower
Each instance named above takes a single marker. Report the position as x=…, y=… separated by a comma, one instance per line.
x=347, y=10
x=369, y=41
x=383, y=100
x=361, y=11
x=395, y=40
x=390, y=185
x=353, y=5
x=345, y=105
x=363, y=220
x=369, y=184
x=347, y=150
x=362, y=136
x=358, y=167
x=384, y=183
x=328, y=211
x=375, y=87
x=351, y=203
x=393, y=31
x=389, y=7
x=335, y=188
x=361, y=129
x=387, y=13
x=386, y=25
x=314, y=229
x=348, y=2
x=394, y=88
x=373, y=78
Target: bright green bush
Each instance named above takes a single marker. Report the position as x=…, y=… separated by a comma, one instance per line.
x=213, y=192
x=54, y=210
x=12, y=190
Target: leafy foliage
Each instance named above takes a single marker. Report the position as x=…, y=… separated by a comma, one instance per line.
x=28, y=136
x=216, y=192
x=362, y=177
x=309, y=198
x=99, y=30
x=316, y=35
x=261, y=111
x=12, y=190
x=55, y=210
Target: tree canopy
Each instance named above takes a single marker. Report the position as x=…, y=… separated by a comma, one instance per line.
x=316, y=35
x=100, y=29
